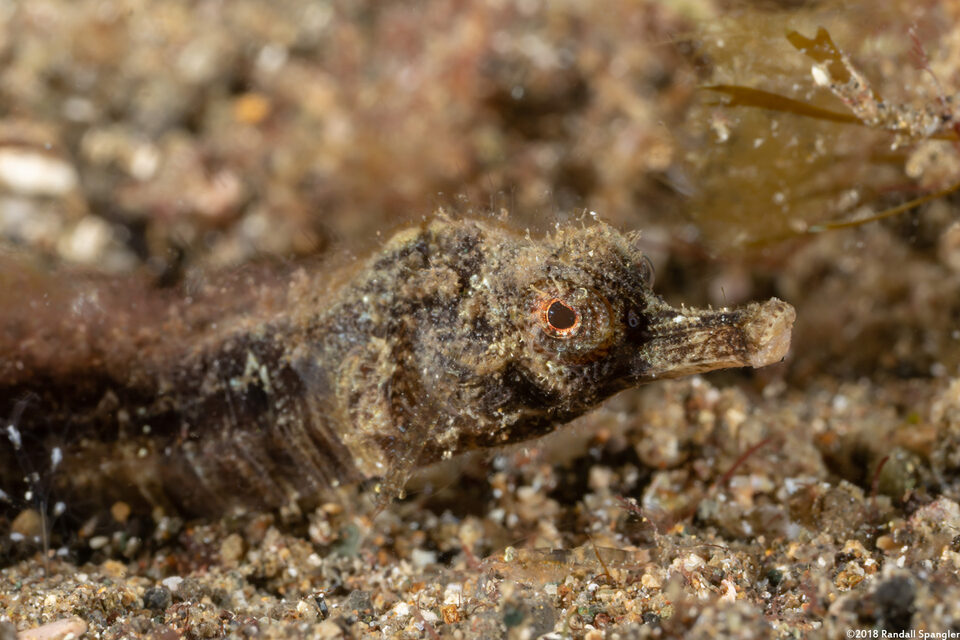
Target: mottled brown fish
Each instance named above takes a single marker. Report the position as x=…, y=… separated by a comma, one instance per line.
x=261, y=391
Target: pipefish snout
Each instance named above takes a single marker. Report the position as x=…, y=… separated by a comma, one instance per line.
x=455, y=335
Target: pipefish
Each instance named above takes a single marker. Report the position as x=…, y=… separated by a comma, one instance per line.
x=455, y=335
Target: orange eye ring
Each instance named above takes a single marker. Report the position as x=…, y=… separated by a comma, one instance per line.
x=559, y=318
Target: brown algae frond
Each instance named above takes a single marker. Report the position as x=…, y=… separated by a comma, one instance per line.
x=834, y=70
x=803, y=99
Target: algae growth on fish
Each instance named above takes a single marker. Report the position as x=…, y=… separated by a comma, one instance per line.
x=268, y=389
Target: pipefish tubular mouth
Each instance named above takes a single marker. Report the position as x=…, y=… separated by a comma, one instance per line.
x=767, y=330
x=683, y=342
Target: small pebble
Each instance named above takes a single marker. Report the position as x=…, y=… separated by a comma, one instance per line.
x=98, y=542
x=157, y=598
x=422, y=558
x=28, y=524
x=120, y=511
x=66, y=629
x=172, y=583
x=35, y=173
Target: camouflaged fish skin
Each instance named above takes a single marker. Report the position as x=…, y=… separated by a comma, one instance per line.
x=271, y=390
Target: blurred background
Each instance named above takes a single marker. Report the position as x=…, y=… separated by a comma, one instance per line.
x=167, y=136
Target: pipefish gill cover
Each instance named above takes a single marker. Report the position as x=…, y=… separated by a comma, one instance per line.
x=271, y=390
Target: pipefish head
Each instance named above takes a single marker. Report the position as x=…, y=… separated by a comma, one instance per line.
x=558, y=324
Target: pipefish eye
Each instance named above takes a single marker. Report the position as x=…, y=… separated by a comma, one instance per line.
x=573, y=323
x=559, y=316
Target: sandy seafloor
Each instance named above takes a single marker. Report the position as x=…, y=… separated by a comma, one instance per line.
x=814, y=498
